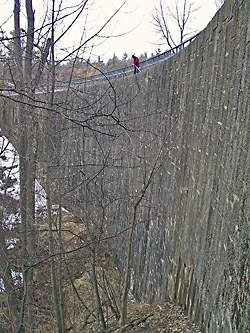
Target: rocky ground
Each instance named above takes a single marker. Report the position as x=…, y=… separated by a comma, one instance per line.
x=159, y=317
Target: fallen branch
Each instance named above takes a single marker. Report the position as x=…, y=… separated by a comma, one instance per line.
x=133, y=323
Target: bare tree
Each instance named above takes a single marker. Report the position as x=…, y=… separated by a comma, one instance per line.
x=27, y=150
x=135, y=205
x=91, y=192
x=26, y=71
x=173, y=22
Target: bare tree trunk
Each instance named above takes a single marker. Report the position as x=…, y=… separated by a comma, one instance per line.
x=31, y=157
x=60, y=271
x=27, y=145
x=55, y=274
x=60, y=240
x=96, y=289
x=93, y=263
x=127, y=279
x=56, y=291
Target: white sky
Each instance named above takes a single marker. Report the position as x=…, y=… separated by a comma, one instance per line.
x=134, y=20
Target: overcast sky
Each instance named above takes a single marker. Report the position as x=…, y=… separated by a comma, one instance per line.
x=134, y=21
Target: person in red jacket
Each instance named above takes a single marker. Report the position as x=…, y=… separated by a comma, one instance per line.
x=136, y=64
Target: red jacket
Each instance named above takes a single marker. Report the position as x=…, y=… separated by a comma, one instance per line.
x=136, y=62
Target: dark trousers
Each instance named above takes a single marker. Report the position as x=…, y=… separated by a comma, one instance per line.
x=136, y=70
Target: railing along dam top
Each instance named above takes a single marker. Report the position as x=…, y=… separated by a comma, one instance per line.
x=124, y=71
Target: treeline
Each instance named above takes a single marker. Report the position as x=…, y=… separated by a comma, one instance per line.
x=79, y=67
x=75, y=68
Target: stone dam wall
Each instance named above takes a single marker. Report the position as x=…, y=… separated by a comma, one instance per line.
x=187, y=120
x=191, y=241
